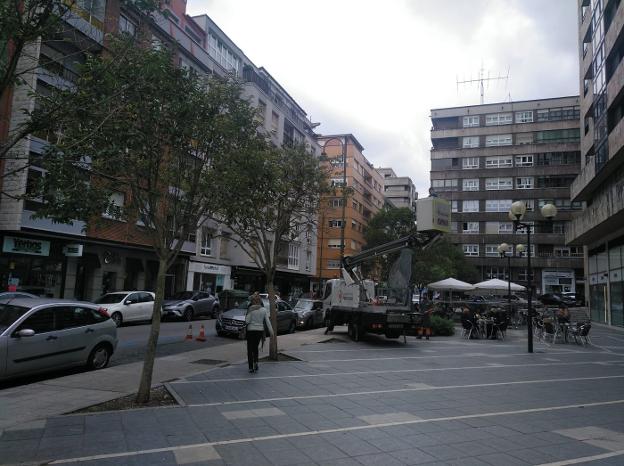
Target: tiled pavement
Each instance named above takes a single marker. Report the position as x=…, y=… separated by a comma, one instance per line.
x=439, y=402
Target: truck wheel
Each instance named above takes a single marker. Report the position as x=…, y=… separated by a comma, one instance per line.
x=329, y=325
x=357, y=333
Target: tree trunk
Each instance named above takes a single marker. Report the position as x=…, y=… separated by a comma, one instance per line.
x=273, y=342
x=145, y=385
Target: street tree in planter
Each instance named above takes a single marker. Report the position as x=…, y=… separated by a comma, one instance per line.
x=270, y=197
x=139, y=126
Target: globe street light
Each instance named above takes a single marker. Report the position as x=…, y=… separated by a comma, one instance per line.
x=516, y=214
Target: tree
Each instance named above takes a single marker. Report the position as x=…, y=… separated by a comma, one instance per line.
x=136, y=124
x=273, y=195
x=387, y=225
x=441, y=260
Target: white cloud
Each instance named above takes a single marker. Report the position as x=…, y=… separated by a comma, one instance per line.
x=375, y=69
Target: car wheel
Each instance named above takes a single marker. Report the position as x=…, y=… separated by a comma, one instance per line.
x=117, y=318
x=188, y=314
x=292, y=326
x=99, y=357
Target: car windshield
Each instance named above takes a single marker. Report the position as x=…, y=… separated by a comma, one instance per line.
x=110, y=298
x=9, y=314
x=304, y=305
x=183, y=295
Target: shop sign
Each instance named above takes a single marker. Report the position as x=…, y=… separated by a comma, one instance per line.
x=202, y=267
x=72, y=250
x=33, y=247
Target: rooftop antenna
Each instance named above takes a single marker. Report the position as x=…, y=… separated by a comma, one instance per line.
x=482, y=79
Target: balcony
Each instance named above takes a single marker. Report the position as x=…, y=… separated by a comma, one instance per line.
x=614, y=87
x=505, y=129
x=614, y=28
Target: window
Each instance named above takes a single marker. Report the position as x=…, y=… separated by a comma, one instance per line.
x=337, y=202
x=261, y=111
x=471, y=249
x=94, y=9
x=454, y=207
x=470, y=142
x=498, y=162
x=524, y=138
x=530, y=203
x=308, y=264
x=444, y=185
x=334, y=243
x=274, y=122
x=524, y=254
x=205, y=246
x=223, y=55
x=471, y=121
x=293, y=256
x=491, y=250
x=470, y=163
x=498, y=140
x=497, y=205
x=561, y=251
x=505, y=227
x=333, y=264
x=470, y=227
x=498, y=184
x=126, y=26
x=470, y=206
x=335, y=224
x=114, y=209
x=524, y=117
x=41, y=321
x=554, y=181
x=558, y=135
x=524, y=160
x=498, y=119
x=524, y=182
x=470, y=184
x=495, y=272
x=335, y=182
x=531, y=227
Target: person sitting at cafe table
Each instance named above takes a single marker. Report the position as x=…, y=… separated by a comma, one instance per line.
x=563, y=314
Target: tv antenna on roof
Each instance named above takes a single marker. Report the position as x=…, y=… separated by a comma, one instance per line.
x=483, y=78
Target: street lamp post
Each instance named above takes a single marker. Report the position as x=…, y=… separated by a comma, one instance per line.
x=516, y=213
x=503, y=250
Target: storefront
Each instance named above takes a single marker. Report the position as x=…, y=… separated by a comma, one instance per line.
x=213, y=278
x=606, y=282
x=32, y=264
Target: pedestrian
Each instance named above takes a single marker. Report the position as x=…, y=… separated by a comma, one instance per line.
x=425, y=328
x=258, y=323
x=563, y=314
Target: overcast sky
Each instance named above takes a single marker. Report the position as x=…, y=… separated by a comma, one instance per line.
x=376, y=68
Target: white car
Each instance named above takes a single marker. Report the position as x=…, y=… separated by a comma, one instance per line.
x=128, y=306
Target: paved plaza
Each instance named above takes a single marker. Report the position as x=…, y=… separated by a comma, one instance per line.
x=447, y=401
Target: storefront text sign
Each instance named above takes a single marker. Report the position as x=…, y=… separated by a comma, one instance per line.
x=72, y=250
x=33, y=247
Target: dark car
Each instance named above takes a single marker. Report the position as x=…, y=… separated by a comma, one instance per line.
x=555, y=299
x=38, y=335
x=309, y=313
x=232, y=322
x=16, y=294
x=189, y=304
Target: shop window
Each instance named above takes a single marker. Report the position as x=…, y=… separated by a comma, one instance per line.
x=205, y=247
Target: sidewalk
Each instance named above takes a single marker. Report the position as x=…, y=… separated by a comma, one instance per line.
x=28, y=406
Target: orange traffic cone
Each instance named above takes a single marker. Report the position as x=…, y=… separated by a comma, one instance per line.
x=202, y=334
x=189, y=333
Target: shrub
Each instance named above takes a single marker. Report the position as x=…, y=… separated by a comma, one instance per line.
x=441, y=326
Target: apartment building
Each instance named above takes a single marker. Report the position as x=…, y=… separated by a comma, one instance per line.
x=83, y=261
x=484, y=157
x=399, y=191
x=600, y=184
x=364, y=200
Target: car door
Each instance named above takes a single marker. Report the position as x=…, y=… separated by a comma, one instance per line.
x=38, y=352
x=75, y=331
x=147, y=305
x=132, y=308
x=318, y=313
x=202, y=303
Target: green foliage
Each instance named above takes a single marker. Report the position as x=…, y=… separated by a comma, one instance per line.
x=439, y=261
x=441, y=326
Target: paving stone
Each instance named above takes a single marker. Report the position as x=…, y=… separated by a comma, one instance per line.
x=382, y=459
x=413, y=456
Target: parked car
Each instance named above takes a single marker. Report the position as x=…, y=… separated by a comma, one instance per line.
x=128, y=306
x=573, y=299
x=16, y=294
x=310, y=313
x=189, y=304
x=232, y=322
x=38, y=335
x=554, y=299
x=515, y=299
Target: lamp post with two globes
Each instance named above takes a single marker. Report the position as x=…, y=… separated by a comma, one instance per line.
x=516, y=214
